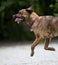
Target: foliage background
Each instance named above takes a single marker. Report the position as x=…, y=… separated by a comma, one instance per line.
x=9, y=30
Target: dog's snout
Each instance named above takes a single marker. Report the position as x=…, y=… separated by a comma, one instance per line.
x=14, y=16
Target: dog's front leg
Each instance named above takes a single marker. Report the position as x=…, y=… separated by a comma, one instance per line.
x=35, y=43
x=46, y=45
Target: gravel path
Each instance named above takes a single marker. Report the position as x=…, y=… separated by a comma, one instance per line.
x=19, y=54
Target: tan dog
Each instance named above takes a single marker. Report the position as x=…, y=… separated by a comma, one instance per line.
x=44, y=27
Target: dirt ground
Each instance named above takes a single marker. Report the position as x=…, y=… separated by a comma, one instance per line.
x=19, y=54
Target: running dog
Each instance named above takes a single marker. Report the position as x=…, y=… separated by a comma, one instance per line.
x=44, y=27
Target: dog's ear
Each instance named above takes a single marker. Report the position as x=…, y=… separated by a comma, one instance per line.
x=30, y=9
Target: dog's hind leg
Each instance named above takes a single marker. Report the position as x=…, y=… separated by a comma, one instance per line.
x=46, y=45
x=35, y=43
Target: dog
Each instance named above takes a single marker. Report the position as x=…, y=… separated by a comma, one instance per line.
x=44, y=27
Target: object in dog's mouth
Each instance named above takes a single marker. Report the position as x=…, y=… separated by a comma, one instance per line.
x=18, y=20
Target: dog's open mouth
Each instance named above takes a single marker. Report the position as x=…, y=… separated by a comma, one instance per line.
x=19, y=19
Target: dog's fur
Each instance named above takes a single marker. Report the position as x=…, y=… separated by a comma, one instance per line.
x=44, y=27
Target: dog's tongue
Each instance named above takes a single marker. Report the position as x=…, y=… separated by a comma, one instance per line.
x=18, y=20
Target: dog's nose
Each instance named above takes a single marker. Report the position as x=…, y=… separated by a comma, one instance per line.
x=14, y=16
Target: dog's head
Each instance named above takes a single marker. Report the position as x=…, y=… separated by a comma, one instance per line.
x=23, y=15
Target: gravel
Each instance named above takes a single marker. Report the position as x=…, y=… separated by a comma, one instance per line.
x=19, y=54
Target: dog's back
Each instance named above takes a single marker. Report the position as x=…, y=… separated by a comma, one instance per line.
x=48, y=26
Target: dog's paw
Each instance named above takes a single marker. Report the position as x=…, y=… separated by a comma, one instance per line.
x=51, y=49
x=32, y=53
